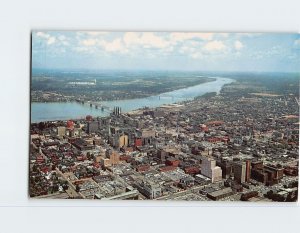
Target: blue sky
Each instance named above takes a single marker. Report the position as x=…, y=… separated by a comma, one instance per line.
x=166, y=51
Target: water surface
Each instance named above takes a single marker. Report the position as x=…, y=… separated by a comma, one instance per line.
x=74, y=110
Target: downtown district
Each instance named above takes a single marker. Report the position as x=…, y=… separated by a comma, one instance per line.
x=229, y=147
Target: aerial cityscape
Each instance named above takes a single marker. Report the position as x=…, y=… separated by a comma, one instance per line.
x=164, y=116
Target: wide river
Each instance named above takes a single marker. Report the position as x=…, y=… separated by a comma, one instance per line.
x=74, y=110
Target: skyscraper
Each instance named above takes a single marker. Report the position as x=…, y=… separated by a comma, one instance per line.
x=210, y=170
x=239, y=170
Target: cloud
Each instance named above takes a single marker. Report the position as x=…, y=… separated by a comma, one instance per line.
x=152, y=40
x=181, y=36
x=115, y=46
x=63, y=40
x=91, y=33
x=149, y=39
x=214, y=45
x=131, y=38
x=238, y=45
x=145, y=39
x=165, y=43
x=90, y=45
x=167, y=49
x=43, y=35
x=95, y=33
x=246, y=34
x=223, y=34
x=51, y=40
x=89, y=42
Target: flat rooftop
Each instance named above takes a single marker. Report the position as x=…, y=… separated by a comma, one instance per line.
x=221, y=192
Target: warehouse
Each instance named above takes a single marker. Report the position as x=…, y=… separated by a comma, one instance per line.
x=217, y=195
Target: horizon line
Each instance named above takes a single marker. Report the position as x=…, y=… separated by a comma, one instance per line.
x=160, y=70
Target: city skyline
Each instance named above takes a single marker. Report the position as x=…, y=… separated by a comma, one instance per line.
x=96, y=50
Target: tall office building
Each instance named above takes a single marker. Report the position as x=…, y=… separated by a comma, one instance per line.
x=92, y=127
x=210, y=170
x=239, y=170
x=111, y=158
x=123, y=140
x=248, y=170
x=61, y=131
x=114, y=158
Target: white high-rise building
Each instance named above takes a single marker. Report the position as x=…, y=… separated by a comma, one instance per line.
x=210, y=170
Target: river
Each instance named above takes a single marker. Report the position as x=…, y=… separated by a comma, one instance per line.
x=74, y=110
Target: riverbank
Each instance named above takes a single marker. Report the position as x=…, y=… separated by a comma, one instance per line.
x=72, y=110
x=111, y=90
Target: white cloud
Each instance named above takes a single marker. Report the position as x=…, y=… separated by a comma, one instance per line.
x=223, y=34
x=131, y=38
x=91, y=33
x=63, y=40
x=95, y=33
x=181, y=36
x=190, y=44
x=145, y=39
x=115, y=46
x=246, y=34
x=149, y=39
x=51, y=40
x=109, y=46
x=238, y=45
x=214, y=45
x=164, y=42
x=89, y=42
x=43, y=35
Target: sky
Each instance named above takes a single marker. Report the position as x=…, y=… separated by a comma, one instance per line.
x=258, y=52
